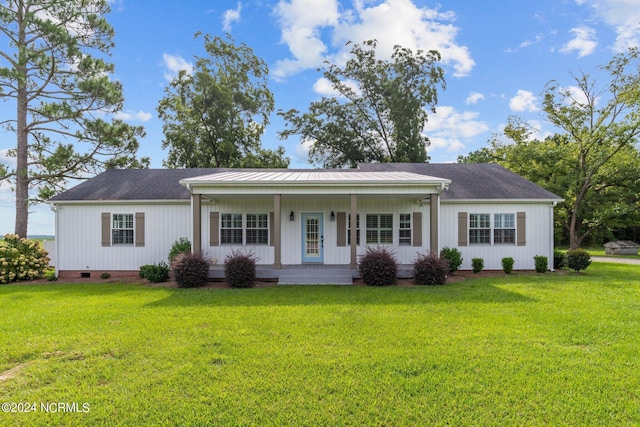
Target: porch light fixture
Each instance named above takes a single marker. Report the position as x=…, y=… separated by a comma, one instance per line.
x=291, y=217
x=333, y=216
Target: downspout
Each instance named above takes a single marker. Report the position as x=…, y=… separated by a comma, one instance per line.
x=56, y=238
x=551, y=239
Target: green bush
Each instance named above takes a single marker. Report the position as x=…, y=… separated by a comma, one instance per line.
x=430, y=270
x=155, y=273
x=507, y=264
x=378, y=267
x=578, y=259
x=453, y=256
x=180, y=246
x=559, y=259
x=240, y=269
x=105, y=275
x=190, y=270
x=541, y=263
x=21, y=259
x=477, y=264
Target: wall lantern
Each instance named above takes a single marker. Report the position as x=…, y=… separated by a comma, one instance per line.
x=291, y=217
x=333, y=216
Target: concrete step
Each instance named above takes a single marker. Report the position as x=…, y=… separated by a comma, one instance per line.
x=327, y=278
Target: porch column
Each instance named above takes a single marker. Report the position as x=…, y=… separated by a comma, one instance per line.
x=434, y=226
x=277, y=234
x=196, y=222
x=353, y=233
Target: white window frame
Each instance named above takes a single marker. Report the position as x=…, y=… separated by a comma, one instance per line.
x=503, y=223
x=480, y=232
x=405, y=230
x=258, y=224
x=383, y=235
x=229, y=228
x=122, y=229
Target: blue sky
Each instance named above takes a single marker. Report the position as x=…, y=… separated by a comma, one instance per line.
x=498, y=56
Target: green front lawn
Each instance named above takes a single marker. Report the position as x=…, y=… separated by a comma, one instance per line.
x=551, y=349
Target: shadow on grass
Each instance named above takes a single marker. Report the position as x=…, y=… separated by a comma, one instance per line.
x=340, y=295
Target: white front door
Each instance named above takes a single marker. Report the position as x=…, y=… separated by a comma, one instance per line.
x=312, y=237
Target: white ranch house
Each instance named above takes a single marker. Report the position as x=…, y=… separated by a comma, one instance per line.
x=122, y=219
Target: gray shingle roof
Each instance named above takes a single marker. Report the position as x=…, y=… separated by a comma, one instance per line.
x=469, y=181
x=473, y=181
x=133, y=184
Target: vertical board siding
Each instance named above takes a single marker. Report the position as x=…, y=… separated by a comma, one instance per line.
x=538, y=217
x=80, y=236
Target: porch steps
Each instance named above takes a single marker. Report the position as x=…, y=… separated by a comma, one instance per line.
x=311, y=277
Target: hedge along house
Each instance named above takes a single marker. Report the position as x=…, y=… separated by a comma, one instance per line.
x=122, y=219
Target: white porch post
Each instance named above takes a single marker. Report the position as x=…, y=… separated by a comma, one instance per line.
x=353, y=233
x=434, y=226
x=277, y=231
x=196, y=218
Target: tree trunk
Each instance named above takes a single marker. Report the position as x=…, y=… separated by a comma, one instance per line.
x=22, y=146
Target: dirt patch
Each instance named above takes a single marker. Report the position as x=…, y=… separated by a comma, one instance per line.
x=11, y=373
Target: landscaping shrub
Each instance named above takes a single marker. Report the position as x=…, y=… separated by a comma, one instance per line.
x=21, y=259
x=155, y=273
x=507, y=264
x=190, y=270
x=105, y=275
x=541, y=263
x=477, y=264
x=578, y=259
x=559, y=259
x=430, y=270
x=180, y=246
x=453, y=256
x=378, y=267
x=240, y=269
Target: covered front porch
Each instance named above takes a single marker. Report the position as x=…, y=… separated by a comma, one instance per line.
x=314, y=218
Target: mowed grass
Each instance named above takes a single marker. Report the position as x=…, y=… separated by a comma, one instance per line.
x=551, y=349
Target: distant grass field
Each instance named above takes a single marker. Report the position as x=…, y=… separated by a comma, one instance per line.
x=534, y=349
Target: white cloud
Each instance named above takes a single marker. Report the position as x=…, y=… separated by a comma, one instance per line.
x=523, y=101
x=452, y=130
x=174, y=64
x=230, y=16
x=391, y=22
x=623, y=16
x=474, y=98
x=323, y=87
x=302, y=151
x=129, y=115
x=584, y=42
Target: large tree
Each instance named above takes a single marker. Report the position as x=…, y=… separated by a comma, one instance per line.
x=595, y=164
x=379, y=111
x=216, y=115
x=53, y=71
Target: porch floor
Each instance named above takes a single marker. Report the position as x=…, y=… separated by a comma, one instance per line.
x=308, y=274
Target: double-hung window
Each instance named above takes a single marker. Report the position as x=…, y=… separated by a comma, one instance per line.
x=480, y=229
x=404, y=231
x=504, y=229
x=257, y=229
x=122, y=229
x=231, y=232
x=379, y=229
